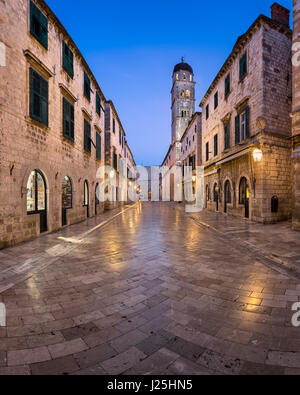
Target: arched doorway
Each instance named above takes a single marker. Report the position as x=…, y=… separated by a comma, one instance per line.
x=67, y=193
x=216, y=196
x=97, y=201
x=227, y=195
x=244, y=195
x=37, y=197
x=207, y=196
x=86, y=200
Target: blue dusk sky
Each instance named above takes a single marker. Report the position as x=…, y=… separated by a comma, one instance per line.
x=132, y=46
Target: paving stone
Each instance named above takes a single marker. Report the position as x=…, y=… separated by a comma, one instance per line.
x=123, y=361
x=220, y=363
x=3, y=358
x=28, y=356
x=170, y=301
x=95, y=355
x=79, y=331
x=155, y=363
x=59, y=366
x=184, y=366
x=67, y=348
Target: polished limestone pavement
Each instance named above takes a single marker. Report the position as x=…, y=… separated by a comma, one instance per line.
x=152, y=292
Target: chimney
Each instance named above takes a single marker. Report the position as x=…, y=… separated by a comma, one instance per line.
x=280, y=14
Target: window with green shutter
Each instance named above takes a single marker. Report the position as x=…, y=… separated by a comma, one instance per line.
x=216, y=99
x=68, y=59
x=68, y=120
x=98, y=146
x=38, y=97
x=237, y=129
x=227, y=135
x=98, y=104
x=207, y=151
x=243, y=65
x=215, y=145
x=87, y=136
x=87, y=87
x=38, y=25
x=227, y=85
x=114, y=126
x=207, y=111
x=120, y=137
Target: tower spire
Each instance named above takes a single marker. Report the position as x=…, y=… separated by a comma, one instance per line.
x=182, y=59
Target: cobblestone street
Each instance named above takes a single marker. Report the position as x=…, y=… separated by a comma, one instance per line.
x=155, y=293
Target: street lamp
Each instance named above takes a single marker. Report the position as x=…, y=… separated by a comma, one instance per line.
x=111, y=174
x=257, y=155
x=194, y=178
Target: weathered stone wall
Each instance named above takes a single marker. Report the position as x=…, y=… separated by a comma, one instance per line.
x=266, y=89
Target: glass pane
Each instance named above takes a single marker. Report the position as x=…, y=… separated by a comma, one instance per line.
x=31, y=192
x=40, y=192
x=67, y=193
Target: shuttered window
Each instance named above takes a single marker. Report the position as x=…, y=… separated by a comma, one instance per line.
x=227, y=85
x=227, y=135
x=215, y=145
x=38, y=25
x=98, y=104
x=38, y=97
x=114, y=126
x=87, y=136
x=68, y=59
x=216, y=99
x=98, y=146
x=87, y=87
x=115, y=161
x=207, y=111
x=243, y=65
x=207, y=151
x=68, y=120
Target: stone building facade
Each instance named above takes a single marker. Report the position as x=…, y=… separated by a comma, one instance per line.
x=52, y=125
x=246, y=126
x=295, y=116
x=191, y=149
x=183, y=109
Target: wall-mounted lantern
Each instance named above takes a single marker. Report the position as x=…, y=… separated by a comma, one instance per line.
x=257, y=155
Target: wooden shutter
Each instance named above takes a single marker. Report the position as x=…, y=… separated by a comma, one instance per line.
x=87, y=87
x=68, y=59
x=98, y=104
x=98, y=146
x=68, y=120
x=38, y=97
x=247, y=111
x=87, y=136
x=36, y=16
x=237, y=129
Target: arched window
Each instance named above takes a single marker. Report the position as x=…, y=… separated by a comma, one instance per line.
x=36, y=195
x=188, y=94
x=243, y=191
x=184, y=76
x=86, y=193
x=191, y=77
x=182, y=94
x=227, y=192
x=177, y=77
x=67, y=193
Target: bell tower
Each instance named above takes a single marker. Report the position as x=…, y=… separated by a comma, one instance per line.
x=183, y=102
